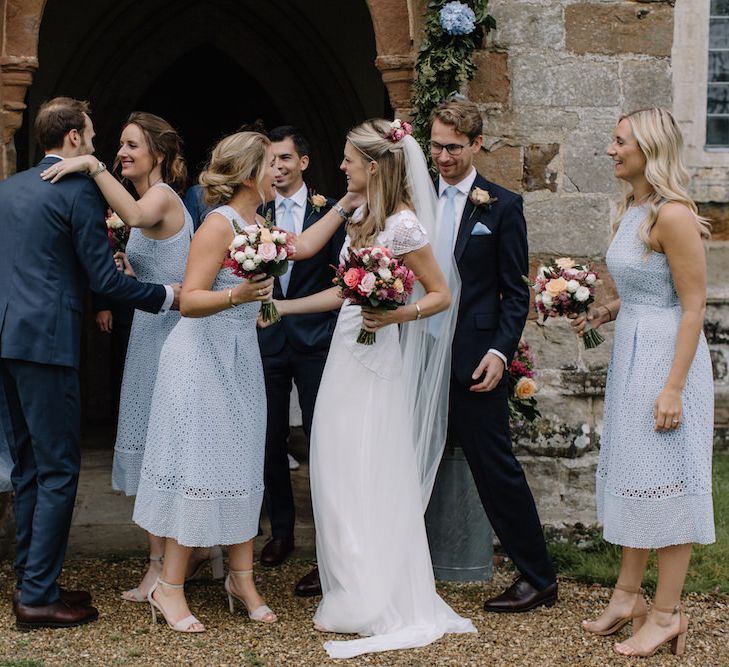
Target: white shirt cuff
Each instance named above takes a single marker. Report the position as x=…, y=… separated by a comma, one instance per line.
x=168, y=300
x=500, y=356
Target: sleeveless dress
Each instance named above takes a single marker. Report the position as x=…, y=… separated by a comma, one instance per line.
x=202, y=473
x=372, y=551
x=653, y=488
x=154, y=261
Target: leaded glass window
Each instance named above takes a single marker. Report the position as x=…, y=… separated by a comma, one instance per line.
x=717, y=117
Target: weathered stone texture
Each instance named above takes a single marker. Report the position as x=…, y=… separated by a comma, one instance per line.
x=525, y=24
x=491, y=83
x=540, y=168
x=619, y=27
x=502, y=165
x=568, y=225
x=710, y=184
x=646, y=83
x=529, y=124
x=540, y=80
x=718, y=214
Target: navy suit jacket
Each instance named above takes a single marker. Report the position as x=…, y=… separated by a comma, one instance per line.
x=310, y=332
x=53, y=245
x=494, y=298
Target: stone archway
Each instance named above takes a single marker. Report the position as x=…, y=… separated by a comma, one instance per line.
x=393, y=22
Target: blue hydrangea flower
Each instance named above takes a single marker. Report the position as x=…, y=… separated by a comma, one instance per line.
x=457, y=18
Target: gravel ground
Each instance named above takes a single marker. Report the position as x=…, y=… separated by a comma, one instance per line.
x=123, y=635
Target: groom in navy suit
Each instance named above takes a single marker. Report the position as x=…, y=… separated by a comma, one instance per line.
x=296, y=348
x=489, y=238
x=53, y=246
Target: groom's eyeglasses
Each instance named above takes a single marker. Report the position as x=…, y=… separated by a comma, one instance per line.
x=453, y=149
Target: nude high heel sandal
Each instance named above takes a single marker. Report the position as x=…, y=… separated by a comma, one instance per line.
x=262, y=614
x=136, y=595
x=678, y=640
x=638, y=614
x=184, y=624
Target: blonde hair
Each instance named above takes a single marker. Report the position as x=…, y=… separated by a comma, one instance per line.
x=661, y=142
x=235, y=159
x=387, y=187
x=460, y=114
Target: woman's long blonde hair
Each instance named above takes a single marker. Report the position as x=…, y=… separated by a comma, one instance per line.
x=661, y=142
x=236, y=158
x=387, y=187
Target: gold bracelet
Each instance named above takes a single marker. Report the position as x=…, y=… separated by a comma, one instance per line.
x=419, y=314
x=230, y=298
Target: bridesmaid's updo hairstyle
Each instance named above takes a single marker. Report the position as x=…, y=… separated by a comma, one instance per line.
x=387, y=187
x=661, y=142
x=162, y=139
x=235, y=159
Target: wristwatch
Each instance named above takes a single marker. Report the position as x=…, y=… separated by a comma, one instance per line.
x=340, y=209
x=98, y=170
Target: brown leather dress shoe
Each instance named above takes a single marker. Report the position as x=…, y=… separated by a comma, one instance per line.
x=73, y=598
x=276, y=551
x=56, y=615
x=522, y=596
x=309, y=585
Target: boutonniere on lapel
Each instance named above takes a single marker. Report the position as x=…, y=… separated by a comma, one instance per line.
x=318, y=202
x=481, y=199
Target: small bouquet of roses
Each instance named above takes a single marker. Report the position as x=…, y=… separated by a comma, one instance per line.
x=522, y=387
x=373, y=278
x=260, y=250
x=117, y=232
x=566, y=288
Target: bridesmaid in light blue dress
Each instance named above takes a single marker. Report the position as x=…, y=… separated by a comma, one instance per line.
x=654, y=474
x=150, y=162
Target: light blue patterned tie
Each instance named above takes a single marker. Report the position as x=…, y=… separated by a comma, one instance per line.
x=287, y=224
x=445, y=251
x=449, y=213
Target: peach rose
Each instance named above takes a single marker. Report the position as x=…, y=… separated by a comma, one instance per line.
x=267, y=251
x=565, y=263
x=525, y=389
x=351, y=278
x=317, y=201
x=555, y=286
x=398, y=286
x=266, y=236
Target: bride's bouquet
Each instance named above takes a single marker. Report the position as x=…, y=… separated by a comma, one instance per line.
x=522, y=387
x=373, y=278
x=117, y=232
x=565, y=288
x=257, y=250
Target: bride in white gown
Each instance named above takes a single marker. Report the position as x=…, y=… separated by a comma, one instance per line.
x=379, y=422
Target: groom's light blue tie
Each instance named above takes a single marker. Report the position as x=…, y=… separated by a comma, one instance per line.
x=449, y=213
x=445, y=252
x=287, y=224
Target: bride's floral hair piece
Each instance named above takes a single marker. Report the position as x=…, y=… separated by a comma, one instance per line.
x=399, y=129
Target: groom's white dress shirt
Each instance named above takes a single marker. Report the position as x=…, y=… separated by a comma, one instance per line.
x=298, y=209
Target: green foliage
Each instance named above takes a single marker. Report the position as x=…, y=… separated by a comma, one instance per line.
x=445, y=63
x=709, y=568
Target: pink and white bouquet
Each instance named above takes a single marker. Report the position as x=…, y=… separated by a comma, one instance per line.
x=117, y=231
x=373, y=278
x=522, y=387
x=565, y=288
x=259, y=250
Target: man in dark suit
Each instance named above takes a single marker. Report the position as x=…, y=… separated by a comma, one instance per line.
x=489, y=238
x=53, y=245
x=296, y=348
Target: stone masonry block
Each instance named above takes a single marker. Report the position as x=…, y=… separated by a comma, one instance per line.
x=574, y=225
x=619, y=27
x=540, y=172
x=525, y=24
x=502, y=165
x=646, y=83
x=491, y=83
x=540, y=80
x=718, y=213
x=524, y=124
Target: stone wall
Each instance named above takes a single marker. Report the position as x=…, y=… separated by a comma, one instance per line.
x=552, y=81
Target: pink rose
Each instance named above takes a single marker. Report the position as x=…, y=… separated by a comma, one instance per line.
x=367, y=283
x=351, y=278
x=267, y=251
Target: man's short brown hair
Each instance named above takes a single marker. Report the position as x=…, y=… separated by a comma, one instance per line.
x=56, y=118
x=462, y=115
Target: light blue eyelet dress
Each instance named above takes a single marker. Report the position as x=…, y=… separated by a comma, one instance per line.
x=653, y=488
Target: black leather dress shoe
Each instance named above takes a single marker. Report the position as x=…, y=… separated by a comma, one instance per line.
x=522, y=596
x=56, y=615
x=276, y=551
x=309, y=585
x=73, y=598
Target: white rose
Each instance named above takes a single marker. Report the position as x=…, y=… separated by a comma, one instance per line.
x=281, y=255
x=249, y=265
x=253, y=238
x=582, y=293
x=279, y=237
x=238, y=239
x=546, y=300
x=239, y=257
x=591, y=279
x=385, y=273
x=396, y=124
x=257, y=259
x=572, y=286
x=250, y=252
x=538, y=298
x=543, y=271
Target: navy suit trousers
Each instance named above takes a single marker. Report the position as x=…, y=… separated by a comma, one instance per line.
x=40, y=413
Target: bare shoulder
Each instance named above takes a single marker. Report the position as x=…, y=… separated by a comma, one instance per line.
x=215, y=229
x=676, y=221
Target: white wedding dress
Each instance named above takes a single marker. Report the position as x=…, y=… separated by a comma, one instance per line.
x=374, y=562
